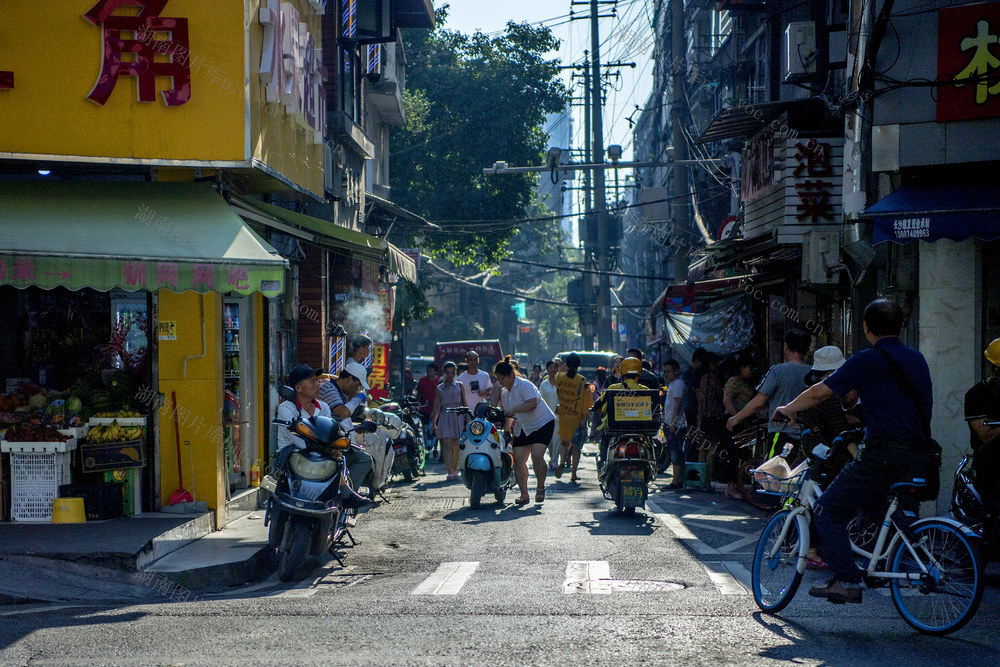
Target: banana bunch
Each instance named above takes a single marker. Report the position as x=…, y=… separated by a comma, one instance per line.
x=123, y=414
x=114, y=432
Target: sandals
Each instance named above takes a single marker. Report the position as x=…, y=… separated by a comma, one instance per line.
x=540, y=495
x=523, y=500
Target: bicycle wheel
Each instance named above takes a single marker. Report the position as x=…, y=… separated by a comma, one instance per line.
x=776, y=576
x=944, y=599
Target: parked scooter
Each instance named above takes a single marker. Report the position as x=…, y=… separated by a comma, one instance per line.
x=631, y=462
x=485, y=455
x=417, y=452
x=379, y=446
x=305, y=510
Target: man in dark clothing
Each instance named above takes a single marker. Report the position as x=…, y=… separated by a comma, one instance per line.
x=895, y=438
x=691, y=377
x=982, y=404
x=646, y=378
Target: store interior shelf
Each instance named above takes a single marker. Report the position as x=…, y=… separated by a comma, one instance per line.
x=122, y=421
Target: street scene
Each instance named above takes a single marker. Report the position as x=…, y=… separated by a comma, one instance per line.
x=547, y=332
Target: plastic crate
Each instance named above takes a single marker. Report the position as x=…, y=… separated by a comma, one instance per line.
x=35, y=481
x=632, y=410
x=696, y=476
x=100, y=501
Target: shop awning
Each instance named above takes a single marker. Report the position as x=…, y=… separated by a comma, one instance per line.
x=132, y=236
x=333, y=236
x=933, y=212
x=746, y=120
x=399, y=214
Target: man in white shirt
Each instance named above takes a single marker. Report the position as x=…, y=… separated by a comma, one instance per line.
x=674, y=423
x=476, y=384
x=550, y=395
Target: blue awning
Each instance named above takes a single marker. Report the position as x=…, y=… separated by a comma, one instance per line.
x=929, y=213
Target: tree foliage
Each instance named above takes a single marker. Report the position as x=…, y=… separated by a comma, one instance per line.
x=471, y=100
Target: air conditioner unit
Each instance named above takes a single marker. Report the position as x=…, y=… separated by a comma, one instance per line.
x=800, y=50
x=820, y=251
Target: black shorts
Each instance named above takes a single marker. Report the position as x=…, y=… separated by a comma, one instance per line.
x=540, y=436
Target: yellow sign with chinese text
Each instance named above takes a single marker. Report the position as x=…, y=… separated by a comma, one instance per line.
x=166, y=330
x=108, y=82
x=165, y=82
x=632, y=408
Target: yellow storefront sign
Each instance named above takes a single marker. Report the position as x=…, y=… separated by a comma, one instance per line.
x=164, y=82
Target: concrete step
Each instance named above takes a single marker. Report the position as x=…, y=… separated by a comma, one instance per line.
x=233, y=556
x=243, y=504
x=174, y=539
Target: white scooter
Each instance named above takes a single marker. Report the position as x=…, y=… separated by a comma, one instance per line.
x=485, y=455
x=378, y=445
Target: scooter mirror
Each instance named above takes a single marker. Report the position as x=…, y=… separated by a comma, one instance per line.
x=286, y=393
x=366, y=426
x=359, y=413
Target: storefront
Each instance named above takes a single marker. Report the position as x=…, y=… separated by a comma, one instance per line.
x=142, y=303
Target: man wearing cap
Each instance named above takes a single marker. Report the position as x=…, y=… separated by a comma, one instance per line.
x=829, y=418
x=306, y=383
x=345, y=395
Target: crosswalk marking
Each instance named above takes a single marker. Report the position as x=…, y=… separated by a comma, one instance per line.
x=681, y=531
x=730, y=577
x=588, y=576
x=448, y=579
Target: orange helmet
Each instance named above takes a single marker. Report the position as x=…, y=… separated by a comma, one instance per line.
x=631, y=366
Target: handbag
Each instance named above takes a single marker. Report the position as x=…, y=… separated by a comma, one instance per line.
x=932, y=449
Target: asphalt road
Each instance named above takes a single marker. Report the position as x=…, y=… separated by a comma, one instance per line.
x=566, y=582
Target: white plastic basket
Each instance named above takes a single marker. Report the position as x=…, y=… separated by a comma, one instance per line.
x=35, y=480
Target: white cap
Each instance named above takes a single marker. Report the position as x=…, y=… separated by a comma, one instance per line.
x=357, y=370
x=828, y=358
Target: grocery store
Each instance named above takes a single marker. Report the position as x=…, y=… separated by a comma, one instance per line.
x=134, y=329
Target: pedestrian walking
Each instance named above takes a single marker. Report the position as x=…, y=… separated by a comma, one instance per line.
x=550, y=394
x=575, y=400
x=532, y=428
x=448, y=426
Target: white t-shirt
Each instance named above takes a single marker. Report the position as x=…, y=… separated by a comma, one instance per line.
x=549, y=394
x=521, y=392
x=675, y=390
x=289, y=410
x=472, y=398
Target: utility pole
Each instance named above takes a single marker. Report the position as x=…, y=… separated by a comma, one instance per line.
x=588, y=243
x=604, y=339
x=678, y=113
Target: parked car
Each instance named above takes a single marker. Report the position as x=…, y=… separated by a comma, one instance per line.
x=589, y=361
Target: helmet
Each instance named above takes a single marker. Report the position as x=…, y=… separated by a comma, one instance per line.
x=631, y=366
x=992, y=352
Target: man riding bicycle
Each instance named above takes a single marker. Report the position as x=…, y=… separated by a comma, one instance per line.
x=896, y=437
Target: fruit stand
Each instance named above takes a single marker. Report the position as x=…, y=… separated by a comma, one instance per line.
x=39, y=465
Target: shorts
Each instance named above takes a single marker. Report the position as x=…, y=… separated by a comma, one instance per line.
x=540, y=436
x=567, y=426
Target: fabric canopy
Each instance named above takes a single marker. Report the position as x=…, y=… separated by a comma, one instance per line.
x=724, y=327
x=334, y=236
x=131, y=236
x=929, y=213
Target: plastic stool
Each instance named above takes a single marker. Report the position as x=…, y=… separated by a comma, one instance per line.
x=696, y=476
x=68, y=510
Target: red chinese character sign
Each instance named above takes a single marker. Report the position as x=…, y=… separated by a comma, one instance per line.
x=142, y=47
x=969, y=58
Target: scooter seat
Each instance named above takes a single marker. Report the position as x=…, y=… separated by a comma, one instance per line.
x=908, y=486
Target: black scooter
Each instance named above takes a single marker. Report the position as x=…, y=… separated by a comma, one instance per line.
x=967, y=507
x=305, y=510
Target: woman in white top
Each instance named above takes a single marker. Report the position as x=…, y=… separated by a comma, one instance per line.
x=535, y=424
x=550, y=395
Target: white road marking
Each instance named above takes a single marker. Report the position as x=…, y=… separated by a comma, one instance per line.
x=588, y=576
x=749, y=539
x=730, y=577
x=448, y=579
x=681, y=531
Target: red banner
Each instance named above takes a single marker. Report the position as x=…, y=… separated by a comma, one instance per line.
x=969, y=56
x=378, y=377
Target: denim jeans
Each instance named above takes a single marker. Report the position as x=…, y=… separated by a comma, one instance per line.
x=675, y=444
x=862, y=484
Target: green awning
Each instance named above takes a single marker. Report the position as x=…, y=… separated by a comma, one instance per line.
x=337, y=237
x=131, y=236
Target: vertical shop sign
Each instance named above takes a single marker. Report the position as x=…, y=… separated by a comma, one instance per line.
x=144, y=48
x=969, y=57
x=758, y=167
x=378, y=378
x=812, y=162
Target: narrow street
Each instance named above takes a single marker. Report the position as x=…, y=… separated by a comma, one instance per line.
x=566, y=582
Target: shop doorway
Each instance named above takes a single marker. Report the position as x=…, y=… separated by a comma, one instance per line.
x=240, y=376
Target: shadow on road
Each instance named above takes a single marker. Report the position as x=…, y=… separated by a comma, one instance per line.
x=613, y=522
x=16, y=627
x=492, y=513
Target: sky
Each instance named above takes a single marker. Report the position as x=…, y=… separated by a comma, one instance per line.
x=628, y=37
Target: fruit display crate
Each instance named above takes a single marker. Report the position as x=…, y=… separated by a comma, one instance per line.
x=122, y=421
x=9, y=447
x=35, y=481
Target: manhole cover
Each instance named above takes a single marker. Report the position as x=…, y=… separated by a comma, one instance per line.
x=643, y=586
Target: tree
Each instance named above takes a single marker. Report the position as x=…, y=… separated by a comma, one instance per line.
x=472, y=100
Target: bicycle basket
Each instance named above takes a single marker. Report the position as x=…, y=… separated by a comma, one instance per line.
x=778, y=485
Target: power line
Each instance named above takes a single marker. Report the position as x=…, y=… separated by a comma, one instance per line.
x=579, y=270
